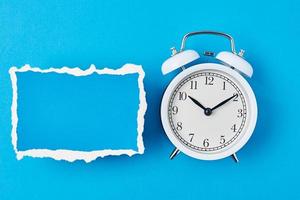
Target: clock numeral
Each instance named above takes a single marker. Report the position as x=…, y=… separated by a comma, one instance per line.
x=240, y=113
x=236, y=97
x=222, y=139
x=179, y=126
x=174, y=110
x=224, y=84
x=233, y=128
x=206, y=142
x=209, y=80
x=191, y=136
x=194, y=85
x=182, y=96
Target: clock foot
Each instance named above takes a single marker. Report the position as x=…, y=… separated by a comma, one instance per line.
x=236, y=159
x=174, y=153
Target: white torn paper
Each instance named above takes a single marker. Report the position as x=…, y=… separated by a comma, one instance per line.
x=71, y=155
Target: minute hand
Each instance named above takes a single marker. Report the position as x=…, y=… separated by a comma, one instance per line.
x=223, y=102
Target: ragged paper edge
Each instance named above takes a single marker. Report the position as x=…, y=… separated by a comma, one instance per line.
x=72, y=155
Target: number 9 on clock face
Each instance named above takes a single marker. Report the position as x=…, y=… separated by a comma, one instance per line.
x=209, y=111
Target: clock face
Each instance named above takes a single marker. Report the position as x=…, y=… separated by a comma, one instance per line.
x=208, y=111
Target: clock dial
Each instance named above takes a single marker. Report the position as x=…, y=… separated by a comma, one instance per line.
x=207, y=111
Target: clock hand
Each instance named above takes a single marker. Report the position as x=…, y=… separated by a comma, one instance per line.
x=197, y=102
x=223, y=102
x=207, y=111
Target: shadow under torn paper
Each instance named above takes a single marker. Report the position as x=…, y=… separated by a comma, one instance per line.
x=73, y=114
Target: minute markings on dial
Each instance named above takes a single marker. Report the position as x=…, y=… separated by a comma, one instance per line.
x=197, y=143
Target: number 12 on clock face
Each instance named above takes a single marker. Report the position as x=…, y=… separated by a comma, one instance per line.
x=208, y=113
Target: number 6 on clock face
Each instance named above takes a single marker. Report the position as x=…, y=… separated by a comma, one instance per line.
x=209, y=111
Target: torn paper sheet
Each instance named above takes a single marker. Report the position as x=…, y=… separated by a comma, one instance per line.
x=72, y=103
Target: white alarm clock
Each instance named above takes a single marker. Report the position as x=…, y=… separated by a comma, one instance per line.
x=209, y=110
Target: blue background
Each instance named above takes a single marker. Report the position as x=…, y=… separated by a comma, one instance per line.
x=61, y=111
x=111, y=33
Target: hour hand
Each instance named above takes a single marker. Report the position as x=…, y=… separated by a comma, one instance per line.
x=197, y=103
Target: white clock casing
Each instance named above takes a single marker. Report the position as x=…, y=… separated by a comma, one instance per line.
x=245, y=133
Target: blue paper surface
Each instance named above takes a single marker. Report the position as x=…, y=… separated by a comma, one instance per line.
x=62, y=111
x=112, y=33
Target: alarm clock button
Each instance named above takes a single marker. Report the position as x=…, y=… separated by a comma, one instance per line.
x=236, y=61
x=178, y=60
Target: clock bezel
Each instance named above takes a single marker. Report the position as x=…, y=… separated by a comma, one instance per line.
x=250, y=102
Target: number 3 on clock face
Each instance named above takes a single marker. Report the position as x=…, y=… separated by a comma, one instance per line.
x=209, y=111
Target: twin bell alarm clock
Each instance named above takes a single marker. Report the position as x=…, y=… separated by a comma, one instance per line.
x=208, y=110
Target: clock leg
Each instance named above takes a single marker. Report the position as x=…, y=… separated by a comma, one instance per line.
x=236, y=159
x=174, y=153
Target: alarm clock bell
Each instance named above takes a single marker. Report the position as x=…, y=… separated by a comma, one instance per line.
x=230, y=59
x=184, y=57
